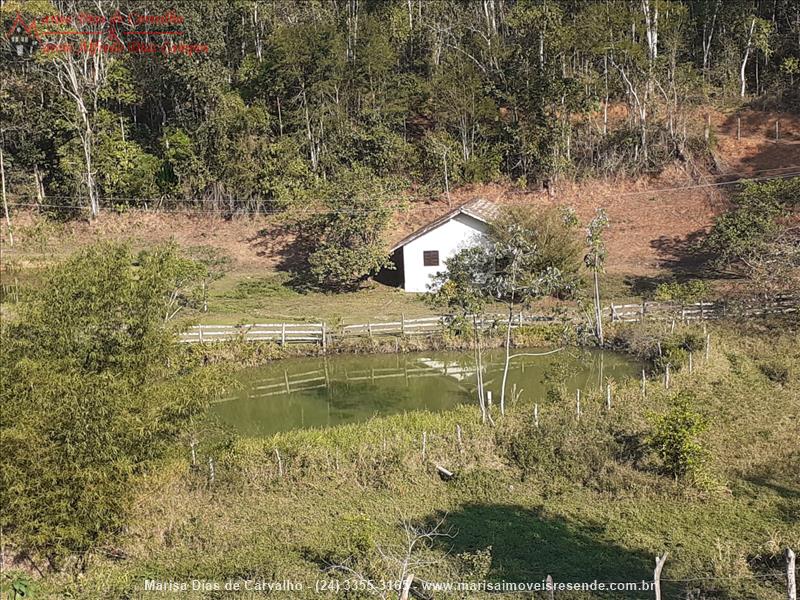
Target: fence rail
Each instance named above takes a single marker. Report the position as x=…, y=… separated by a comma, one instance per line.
x=320, y=333
x=285, y=333
x=751, y=307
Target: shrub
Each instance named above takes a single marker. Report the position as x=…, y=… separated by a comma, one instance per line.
x=777, y=370
x=685, y=293
x=675, y=438
x=92, y=396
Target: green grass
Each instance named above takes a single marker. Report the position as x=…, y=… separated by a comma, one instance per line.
x=595, y=505
x=250, y=297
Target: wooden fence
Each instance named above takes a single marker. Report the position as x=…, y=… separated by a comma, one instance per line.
x=320, y=333
x=751, y=307
x=283, y=333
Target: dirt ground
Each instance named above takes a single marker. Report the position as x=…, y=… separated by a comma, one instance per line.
x=653, y=220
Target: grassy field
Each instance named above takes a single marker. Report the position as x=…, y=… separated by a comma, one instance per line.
x=590, y=502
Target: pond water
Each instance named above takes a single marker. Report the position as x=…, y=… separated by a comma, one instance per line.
x=324, y=391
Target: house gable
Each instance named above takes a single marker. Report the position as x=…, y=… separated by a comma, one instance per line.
x=442, y=242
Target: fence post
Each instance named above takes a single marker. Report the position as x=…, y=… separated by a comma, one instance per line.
x=324, y=337
x=201, y=334
x=402, y=324
x=791, y=585
x=644, y=379
x=369, y=329
x=708, y=345
x=458, y=438
x=283, y=334
x=738, y=128
x=424, y=445
x=660, y=560
x=666, y=377
x=608, y=396
x=578, y=402
x=536, y=415
x=280, y=463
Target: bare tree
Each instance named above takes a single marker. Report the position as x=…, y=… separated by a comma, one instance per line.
x=80, y=73
x=403, y=559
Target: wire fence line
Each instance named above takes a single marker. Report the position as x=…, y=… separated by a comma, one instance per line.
x=323, y=334
x=162, y=205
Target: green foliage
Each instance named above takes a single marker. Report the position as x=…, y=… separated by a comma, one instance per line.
x=689, y=292
x=93, y=393
x=749, y=232
x=675, y=437
x=552, y=234
x=652, y=343
x=346, y=243
x=287, y=97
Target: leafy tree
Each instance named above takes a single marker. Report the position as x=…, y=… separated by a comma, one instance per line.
x=595, y=259
x=675, y=438
x=93, y=393
x=346, y=243
x=462, y=289
x=754, y=239
x=520, y=262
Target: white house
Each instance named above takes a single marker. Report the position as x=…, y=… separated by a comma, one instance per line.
x=422, y=254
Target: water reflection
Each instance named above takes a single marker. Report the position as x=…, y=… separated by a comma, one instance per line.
x=314, y=392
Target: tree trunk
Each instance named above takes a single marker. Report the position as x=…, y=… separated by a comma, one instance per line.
x=479, y=369
x=742, y=81
x=598, y=311
x=5, y=201
x=508, y=360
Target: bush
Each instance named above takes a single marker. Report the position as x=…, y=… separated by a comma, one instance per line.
x=684, y=293
x=675, y=438
x=93, y=394
x=777, y=370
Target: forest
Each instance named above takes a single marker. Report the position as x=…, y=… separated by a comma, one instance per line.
x=296, y=104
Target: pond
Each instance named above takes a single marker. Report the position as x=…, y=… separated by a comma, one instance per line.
x=324, y=391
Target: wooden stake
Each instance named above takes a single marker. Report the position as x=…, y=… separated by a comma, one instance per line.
x=280, y=463
x=192, y=444
x=536, y=415
x=666, y=377
x=458, y=437
x=608, y=396
x=738, y=128
x=424, y=445
x=791, y=585
x=211, y=472
x=324, y=337
x=578, y=402
x=660, y=560
x=644, y=389
x=708, y=345
x=691, y=365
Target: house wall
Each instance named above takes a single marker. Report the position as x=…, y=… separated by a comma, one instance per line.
x=459, y=232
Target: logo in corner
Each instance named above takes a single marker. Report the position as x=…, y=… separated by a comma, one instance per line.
x=22, y=37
